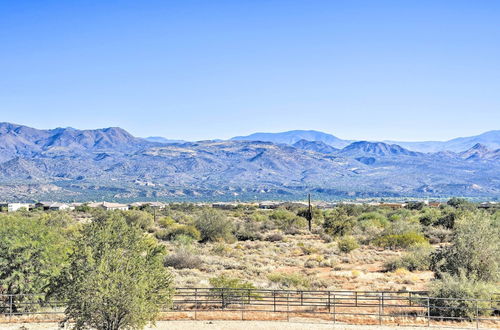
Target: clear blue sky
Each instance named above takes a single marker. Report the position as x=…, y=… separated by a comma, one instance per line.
x=401, y=70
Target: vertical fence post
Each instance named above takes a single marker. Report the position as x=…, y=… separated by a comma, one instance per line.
x=301, y=298
x=242, y=306
x=11, y=303
x=477, y=315
x=329, y=303
x=409, y=297
x=356, y=298
x=380, y=302
x=274, y=300
x=196, y=303
x=222, y=299
x=334, y=310
x=288, y=306
x=428, y=311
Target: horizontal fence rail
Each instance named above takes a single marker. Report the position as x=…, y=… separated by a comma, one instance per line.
x=367, y=307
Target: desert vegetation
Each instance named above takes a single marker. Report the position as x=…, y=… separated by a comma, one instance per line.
x=452, y=250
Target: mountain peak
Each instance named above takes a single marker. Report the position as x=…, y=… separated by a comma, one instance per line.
x=377, y=148
x=477, y=152
x=479, y=146
x=316, y=146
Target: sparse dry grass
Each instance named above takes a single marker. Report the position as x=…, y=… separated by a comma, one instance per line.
x=307, y=255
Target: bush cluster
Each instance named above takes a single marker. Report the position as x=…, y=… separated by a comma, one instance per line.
x=418, y=257
x=289, y=280
x=347, y=244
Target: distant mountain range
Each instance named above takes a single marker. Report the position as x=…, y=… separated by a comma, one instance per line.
x=489, y=139
x=110, y=163
x=160, y=139
x=292, y=137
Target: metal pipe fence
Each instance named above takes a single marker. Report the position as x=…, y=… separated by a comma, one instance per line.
x=355, y=307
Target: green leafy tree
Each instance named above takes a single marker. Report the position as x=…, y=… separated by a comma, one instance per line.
x=116, y=278
x=461, y=203
x=32, y=253
x=474, y=249
x=338, y=222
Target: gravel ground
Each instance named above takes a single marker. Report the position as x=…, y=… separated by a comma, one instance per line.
x=228, y=325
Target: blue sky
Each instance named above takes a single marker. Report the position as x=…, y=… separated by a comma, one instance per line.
x=400, y=70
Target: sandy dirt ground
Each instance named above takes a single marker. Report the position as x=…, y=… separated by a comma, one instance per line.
x=228, y=325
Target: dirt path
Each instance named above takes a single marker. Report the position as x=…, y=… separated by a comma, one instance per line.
x=227, y=325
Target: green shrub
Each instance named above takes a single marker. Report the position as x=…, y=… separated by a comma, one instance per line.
x=259, y=217
x=417, y=258
x=289, y=280
x=248, y=231
x=401, y=214
x=186, y=230
x=438, y=234
x=415, y=205
x=429, y=216
x=405, y=240
x=373, y=219
x=139, y=218
x=213, y=226
x=84, y=208
x=460, y=291
x=460, y=203
x=287, y=221
x=448, y=218
x=233, y=290
x=223, y=281
x=166, y=222
x=221, y=249
x=347, y=244
x=338, y=222
x=162, y=235
x=183, y=240
x=474, y=249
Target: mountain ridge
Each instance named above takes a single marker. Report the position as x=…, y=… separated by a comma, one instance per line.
x=491, y=139
x=111, y=163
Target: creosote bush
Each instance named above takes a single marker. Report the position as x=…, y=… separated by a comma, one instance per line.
x=166, y=222
x=289, y=280
x=288, y=221
x=338, y=222
x=461, y=292
x=403, y=241
x=418, y=257
x=248, y=231
x=184, y=230
x=224, y=281
x=347, y=244
x=214, y=226
x=139, y=218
